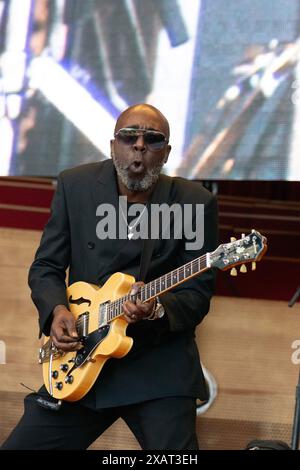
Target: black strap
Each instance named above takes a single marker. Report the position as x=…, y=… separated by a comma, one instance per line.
x=146, y=255
x=160, y=195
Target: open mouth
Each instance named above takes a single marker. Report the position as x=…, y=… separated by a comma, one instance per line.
x=137, y=167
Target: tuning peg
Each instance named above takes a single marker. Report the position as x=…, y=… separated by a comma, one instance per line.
x=253, y=266
x=243, y=235
x=232, y=239
x=233, y=272
x=243, y=268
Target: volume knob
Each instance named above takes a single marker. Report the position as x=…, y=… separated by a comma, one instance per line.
x=69, y=379
x=59, y=385
x=64, y=367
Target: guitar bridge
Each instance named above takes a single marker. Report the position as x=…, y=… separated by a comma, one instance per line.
x=49, y=350
x=41, y=355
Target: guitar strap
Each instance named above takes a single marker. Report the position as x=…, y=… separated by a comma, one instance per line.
x=160, y=195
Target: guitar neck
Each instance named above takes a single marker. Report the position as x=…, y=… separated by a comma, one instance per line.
x=162, y=284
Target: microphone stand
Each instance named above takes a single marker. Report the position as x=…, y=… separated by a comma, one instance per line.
x=295, y=297
x=296, y=423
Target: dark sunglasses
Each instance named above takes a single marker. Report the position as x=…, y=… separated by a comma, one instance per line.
x=154, y=140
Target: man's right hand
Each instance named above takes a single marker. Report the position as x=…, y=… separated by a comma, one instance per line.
x=63, y=331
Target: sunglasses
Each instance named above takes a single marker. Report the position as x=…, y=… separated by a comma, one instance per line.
x=154, y=140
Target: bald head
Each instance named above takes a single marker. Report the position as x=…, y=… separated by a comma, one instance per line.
x=144, y=115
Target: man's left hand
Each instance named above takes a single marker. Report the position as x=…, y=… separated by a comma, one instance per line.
x=139, y=310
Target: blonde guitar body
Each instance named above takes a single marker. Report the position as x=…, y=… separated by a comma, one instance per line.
x=58, y=370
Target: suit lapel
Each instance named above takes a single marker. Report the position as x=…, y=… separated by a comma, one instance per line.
x=104, y=189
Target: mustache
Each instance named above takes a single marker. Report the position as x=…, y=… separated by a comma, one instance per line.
x=126, y=166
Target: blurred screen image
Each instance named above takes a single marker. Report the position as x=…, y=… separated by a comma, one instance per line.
x=225, y=74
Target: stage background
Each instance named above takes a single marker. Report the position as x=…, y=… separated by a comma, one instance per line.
x=226, y=75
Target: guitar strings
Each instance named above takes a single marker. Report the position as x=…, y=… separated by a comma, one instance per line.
x=117, y=304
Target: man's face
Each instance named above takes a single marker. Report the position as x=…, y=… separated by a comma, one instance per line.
x=137, y=164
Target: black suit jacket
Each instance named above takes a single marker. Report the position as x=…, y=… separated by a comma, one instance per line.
x=164, y=360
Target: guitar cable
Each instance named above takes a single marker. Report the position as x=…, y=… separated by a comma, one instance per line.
x=47, y=402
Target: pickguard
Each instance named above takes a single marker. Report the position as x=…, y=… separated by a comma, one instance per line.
x=90, y=343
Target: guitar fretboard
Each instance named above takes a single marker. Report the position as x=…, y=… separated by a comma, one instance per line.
x=161, y=284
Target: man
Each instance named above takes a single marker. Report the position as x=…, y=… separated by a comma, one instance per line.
x=155, y=386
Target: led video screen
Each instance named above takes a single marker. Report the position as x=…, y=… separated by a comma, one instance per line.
x=225, y=74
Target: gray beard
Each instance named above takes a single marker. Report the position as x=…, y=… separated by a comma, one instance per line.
x=136, y=184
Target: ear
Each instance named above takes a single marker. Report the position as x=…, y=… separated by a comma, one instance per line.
x=112, y=148
x=168, y=150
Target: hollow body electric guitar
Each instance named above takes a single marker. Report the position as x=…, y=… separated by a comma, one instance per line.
x=100, y=323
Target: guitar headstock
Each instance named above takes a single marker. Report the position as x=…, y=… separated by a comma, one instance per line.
x=249, y=248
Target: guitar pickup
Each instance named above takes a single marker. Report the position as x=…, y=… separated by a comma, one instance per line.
x=83, y=325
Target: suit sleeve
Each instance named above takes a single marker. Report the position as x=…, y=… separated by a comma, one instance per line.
x=47, y=273
x=187, y=304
